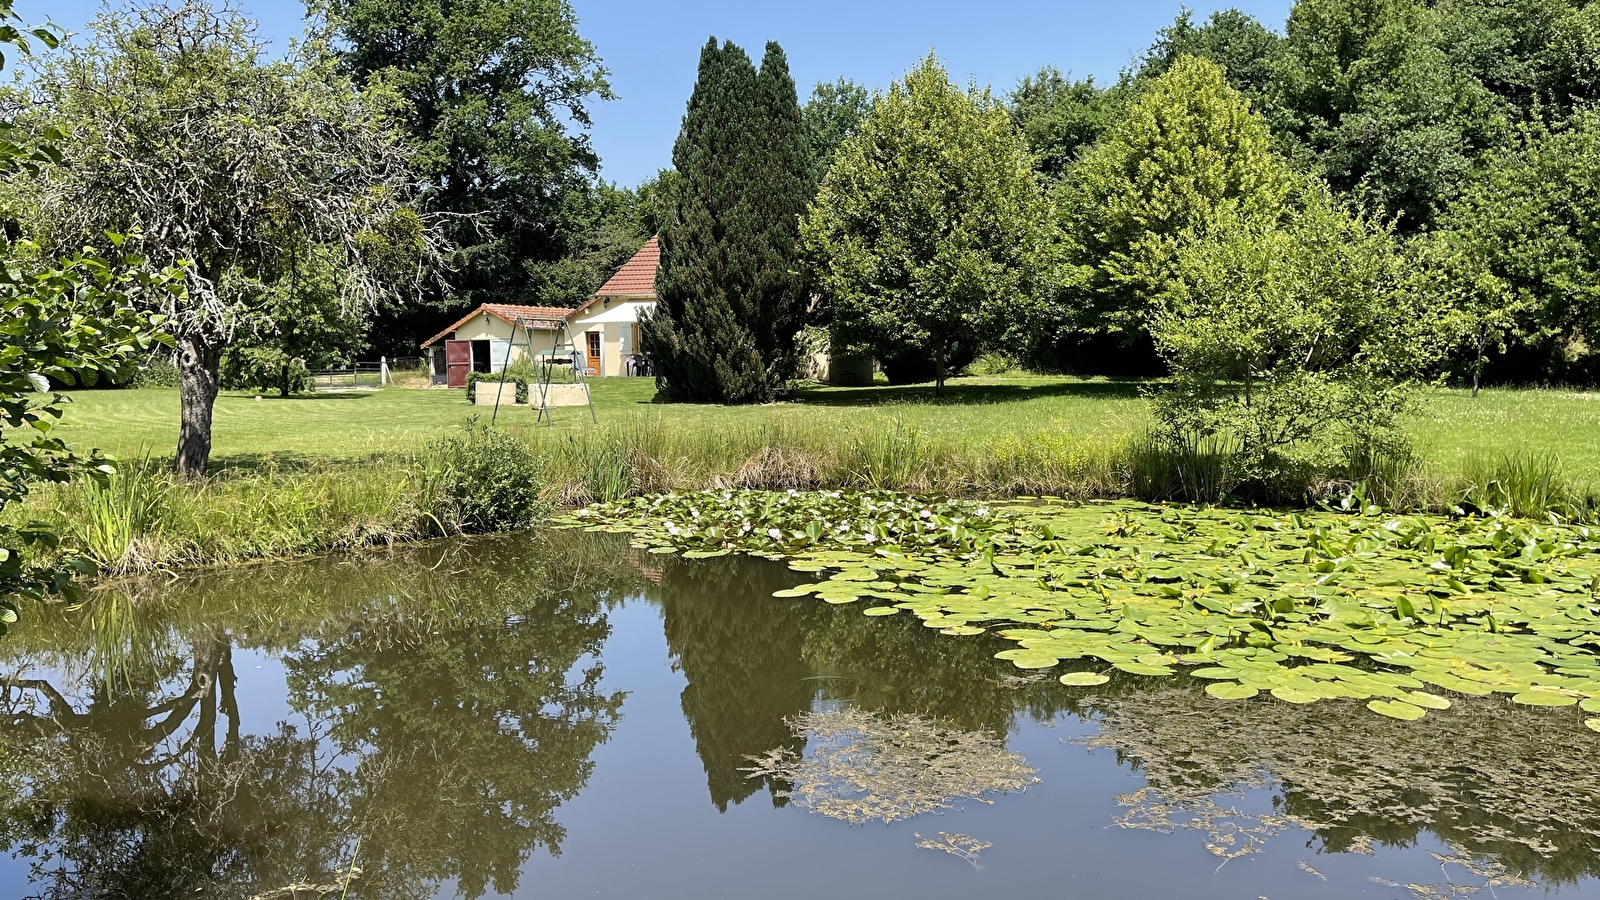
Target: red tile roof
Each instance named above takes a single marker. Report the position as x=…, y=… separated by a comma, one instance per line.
x=637, y=277
x=508, y=313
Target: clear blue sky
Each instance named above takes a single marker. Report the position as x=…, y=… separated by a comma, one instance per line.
x=652, y=47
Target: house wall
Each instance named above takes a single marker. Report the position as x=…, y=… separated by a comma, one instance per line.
x=617, y=340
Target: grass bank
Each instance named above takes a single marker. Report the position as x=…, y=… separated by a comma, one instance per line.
x=329, y=472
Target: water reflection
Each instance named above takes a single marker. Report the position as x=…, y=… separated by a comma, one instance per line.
x=446, y=703
x=441, y=706
x=1509, y=785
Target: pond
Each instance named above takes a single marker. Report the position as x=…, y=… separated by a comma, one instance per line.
x=559, y=714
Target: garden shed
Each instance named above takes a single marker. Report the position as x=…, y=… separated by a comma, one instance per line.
x=481, y=341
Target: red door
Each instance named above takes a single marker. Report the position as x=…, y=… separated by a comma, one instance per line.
x=457, y=362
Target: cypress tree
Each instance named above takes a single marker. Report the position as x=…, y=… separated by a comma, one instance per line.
x=730, y=299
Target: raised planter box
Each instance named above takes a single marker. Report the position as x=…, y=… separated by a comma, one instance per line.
x=559, y=395
x=484, y=393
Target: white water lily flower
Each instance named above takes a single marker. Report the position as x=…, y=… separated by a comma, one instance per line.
x=982, y=511
x=926, y=514
x=774, y=533
x=869, y=537
x=672, y=530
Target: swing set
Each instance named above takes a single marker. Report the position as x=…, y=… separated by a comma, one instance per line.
x=564, y=352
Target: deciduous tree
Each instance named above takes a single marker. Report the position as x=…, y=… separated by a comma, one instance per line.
x=1292, y=336
x=180, y=133
x=496, y=96
x=1189, y=153
x=834, y=112
x=929, y=228
x=302, y=323
x=1527, y=234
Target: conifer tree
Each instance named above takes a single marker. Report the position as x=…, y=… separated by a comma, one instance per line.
x=730, y=298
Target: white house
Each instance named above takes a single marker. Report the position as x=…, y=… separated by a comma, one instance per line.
x=605, y=329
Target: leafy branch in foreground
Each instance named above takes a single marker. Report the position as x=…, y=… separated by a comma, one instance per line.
x=75, y=322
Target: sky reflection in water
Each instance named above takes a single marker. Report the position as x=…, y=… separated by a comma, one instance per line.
x=555, y=715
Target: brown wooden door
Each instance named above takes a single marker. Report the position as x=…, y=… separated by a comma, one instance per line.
x=594, y=351
x=457, y=362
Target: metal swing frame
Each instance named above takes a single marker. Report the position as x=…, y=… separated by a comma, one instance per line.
x=563, y=351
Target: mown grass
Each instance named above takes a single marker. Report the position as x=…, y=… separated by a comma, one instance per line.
x=333, y=471
x=356, y=424
x=1450, y=430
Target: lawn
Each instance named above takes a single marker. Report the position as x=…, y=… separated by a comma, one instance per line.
x=1451, y=427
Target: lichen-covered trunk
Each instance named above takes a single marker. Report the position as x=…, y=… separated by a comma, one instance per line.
x=198, y=361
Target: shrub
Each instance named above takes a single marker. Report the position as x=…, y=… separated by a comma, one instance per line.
x=1297, y=342
x=487, y=480
x=158, y=372
x=994, y=363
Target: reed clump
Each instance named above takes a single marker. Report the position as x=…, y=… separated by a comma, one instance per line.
x=485, y=479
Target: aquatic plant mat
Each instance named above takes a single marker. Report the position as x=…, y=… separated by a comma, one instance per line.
x=862, y=766
x=1399, y=612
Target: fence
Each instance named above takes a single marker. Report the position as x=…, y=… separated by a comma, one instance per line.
x=361, y=375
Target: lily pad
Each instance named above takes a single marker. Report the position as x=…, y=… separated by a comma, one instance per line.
x=880, y=611
x=1139, y=668
x=1592, y=724
x=1426, y=700
x=1296, y=695
x=1230, y=690
x=1396, y=709
x=1543, y=698
x=1084, y=679
x=1259, y=601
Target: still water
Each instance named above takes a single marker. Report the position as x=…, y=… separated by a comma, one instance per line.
x=556, y=715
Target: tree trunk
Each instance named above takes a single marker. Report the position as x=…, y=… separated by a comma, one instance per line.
x=198, y=360
x=283, y=381
x=938, y=372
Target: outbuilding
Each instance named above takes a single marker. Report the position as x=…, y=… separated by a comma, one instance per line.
x=608, y=325
x=605, y=329
x=481, y=341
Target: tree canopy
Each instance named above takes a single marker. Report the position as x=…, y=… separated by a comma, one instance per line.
x=930, y=227
x=1188, y=152
x=732, y=297
x=495, y=112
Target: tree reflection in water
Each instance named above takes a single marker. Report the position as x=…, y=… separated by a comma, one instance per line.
x=447, y=702
x=1506, y=785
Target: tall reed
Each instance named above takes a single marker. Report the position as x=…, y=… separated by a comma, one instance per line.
x=483, y=479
